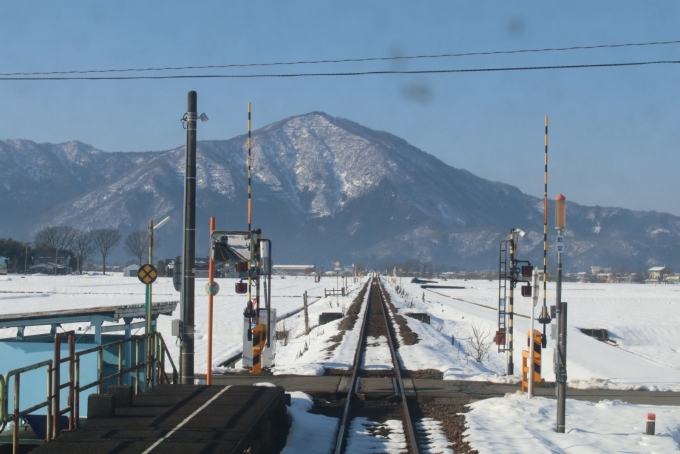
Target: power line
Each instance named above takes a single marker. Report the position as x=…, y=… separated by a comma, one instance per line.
x=345, y=74
x=346, y=60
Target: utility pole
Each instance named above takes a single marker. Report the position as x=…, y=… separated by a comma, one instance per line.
x=511, y=302
x=189, y=245
x=304, y=301
x=148, y=287
x=561, y=309
x=26, y=259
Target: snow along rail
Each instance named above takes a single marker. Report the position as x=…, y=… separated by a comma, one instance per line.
x=376, y=296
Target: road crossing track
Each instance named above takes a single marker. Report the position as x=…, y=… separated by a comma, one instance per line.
x=375, y=296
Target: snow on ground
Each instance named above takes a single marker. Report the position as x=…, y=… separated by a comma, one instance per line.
x=515, y=424
x=366, y=436
x=435, y=350
x=316, y=433
x=29, y=294
x=376, y=354
x=309, y=354
x=308, y=432
x=642, y=319
x=431, y=437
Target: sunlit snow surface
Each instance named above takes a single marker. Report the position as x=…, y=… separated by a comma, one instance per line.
x=309, y=433
x=515, y=424
x=642, y=319
x=48, y=293
x=366, y=436
x=376, y=354
x=431, y=437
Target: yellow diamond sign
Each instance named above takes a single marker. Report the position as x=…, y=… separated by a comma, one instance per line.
x=147, y=274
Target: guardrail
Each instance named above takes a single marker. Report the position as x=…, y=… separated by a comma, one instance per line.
x=153, y=364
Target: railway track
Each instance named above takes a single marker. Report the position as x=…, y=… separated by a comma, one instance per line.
x=376, y=325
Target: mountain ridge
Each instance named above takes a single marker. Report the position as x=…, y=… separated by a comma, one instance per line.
x=324, y=189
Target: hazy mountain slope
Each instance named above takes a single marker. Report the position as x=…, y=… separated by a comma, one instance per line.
x=324, y=189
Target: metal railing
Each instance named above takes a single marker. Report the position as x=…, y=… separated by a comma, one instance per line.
x=17, y=414
x=58, y=385
x=153, y=365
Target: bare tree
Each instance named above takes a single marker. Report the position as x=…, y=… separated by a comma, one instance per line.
x=479, y=343
x=82, y=246
x=57, y=237
x=105, y=239
x=137, y=244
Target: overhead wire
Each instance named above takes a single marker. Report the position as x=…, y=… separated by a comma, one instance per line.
x=345, y=74
x=346, y=60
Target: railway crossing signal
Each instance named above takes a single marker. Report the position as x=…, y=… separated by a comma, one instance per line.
x=247, y=252
x=147, y=274
x=536, y=361
x=510, y=272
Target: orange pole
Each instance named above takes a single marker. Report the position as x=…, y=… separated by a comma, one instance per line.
x=211, y=275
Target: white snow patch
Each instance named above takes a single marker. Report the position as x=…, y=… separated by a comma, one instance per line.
x=308, y=433
x=376, y=354
x=515, y=424
x=366, y=436
x=431, y=437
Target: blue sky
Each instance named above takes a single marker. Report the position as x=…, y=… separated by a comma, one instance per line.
x=614, y=134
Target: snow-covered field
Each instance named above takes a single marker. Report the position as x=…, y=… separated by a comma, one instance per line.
x=515, y=424
x=642, y=319
x=29, y=294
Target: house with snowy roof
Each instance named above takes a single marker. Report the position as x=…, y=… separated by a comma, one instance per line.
x=658, y=273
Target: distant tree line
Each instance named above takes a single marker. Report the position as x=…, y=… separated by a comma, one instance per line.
x=80, y=244
x=411, y=267
x=18, y=253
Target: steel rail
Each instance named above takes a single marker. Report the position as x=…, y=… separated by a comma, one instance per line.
x=357, y=363
x=353, y=382
x=391, y=339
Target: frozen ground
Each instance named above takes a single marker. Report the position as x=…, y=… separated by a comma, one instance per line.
x=642, y=319
x=315, y=433
x=376, y=354
x=515, y=424
x=310, y=354
x=48, y=293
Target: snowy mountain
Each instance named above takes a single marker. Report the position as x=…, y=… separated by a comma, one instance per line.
x=324, y=189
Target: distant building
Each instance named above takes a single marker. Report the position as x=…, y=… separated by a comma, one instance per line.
x=130, y=271
x=673, y=278
x=293, y=270
x=48, y=263
x=584, y=276
x=658, y=273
